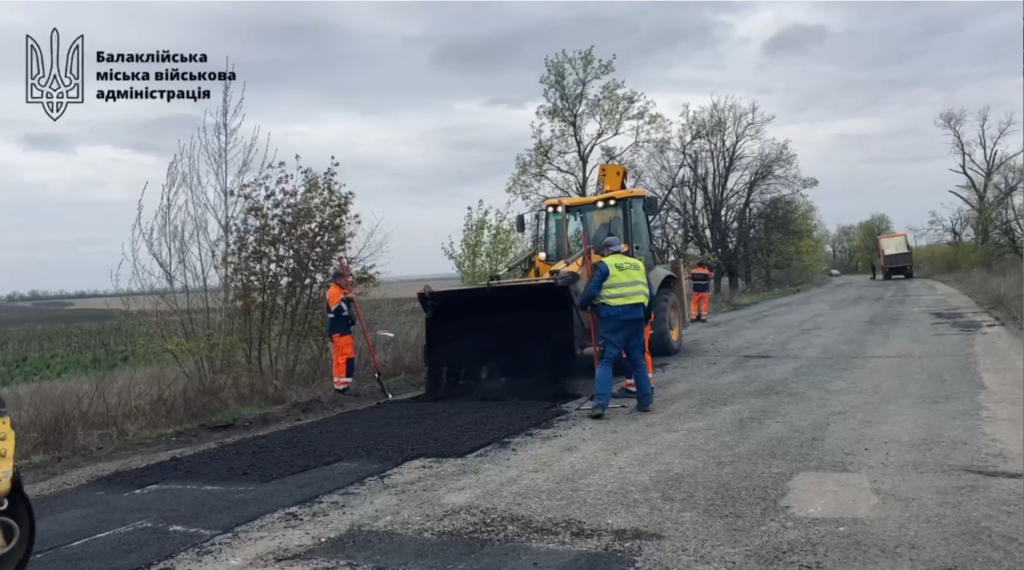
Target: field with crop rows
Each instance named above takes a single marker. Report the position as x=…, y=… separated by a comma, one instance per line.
x=51, y=340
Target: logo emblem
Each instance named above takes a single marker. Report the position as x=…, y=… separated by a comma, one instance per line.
x=56, y=82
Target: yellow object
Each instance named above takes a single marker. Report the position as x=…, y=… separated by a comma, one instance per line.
x=626, y=283
x=6, y=455
x=530, y=310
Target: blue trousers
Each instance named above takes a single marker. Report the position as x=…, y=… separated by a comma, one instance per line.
x=616, y=337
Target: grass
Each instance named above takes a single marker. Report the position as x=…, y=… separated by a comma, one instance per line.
x=994, y=280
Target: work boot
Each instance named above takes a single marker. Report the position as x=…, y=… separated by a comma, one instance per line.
x=346, y=391
x=642, y=408
x=597, y=413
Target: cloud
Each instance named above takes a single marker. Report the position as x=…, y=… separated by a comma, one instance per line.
x=426, y=104
x=794, y=39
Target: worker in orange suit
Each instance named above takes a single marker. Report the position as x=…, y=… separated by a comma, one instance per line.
x=339, y=331
x=628, y=389
x=700, y=278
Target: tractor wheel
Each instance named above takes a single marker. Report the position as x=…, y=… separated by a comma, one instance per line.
x=667, y=329
x=18, y=526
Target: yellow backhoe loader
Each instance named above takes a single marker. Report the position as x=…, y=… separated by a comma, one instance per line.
x=17, y=519
x=524, y=323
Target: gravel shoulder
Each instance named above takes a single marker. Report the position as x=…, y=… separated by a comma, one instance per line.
x=863, y=424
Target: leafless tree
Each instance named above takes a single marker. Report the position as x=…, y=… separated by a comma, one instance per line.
x=980, y=157
x=953, y=225
x=181, y=248
x=733, y=166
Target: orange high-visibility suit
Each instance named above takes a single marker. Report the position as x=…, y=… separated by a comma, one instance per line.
x=339, y=330
x=628, y=384
x=700, y=277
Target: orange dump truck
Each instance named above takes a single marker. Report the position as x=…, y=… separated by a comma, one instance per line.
x=895, y=256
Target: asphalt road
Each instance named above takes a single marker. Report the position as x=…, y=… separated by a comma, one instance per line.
x=865, y=424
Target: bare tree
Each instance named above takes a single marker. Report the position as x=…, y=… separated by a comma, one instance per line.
x=586, y=115
x=733, y=166
x=953, y=225
x=980, y=158
x=181, y=249
x=664, y=172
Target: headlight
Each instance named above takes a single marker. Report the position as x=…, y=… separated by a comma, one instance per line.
x=600, y=203
x=542, y=256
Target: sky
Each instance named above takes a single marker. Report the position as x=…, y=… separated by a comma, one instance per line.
x=427, y=104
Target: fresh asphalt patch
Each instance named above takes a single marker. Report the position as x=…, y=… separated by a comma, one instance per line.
x=391, y=550
x=135, y=518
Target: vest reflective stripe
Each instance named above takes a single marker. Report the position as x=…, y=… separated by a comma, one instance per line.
x=626, y=283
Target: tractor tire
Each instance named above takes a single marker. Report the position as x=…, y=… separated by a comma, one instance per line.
x=19, y=512
x=667, y=329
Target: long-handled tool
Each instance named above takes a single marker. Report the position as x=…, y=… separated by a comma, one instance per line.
x=587, y=262
x=366, y=335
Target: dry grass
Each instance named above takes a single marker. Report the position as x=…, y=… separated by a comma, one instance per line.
x=996, y=281
x=1000, y=290
x=76, y=415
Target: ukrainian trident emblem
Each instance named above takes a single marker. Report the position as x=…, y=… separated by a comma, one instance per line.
x=58, y=82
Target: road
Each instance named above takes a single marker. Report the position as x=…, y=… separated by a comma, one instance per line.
x=861, y=425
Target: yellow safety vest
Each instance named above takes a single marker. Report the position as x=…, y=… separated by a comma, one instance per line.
x=626, y=283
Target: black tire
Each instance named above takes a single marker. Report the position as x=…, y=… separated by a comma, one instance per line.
x=886, y=276
x=908, y=275
x=19, y=510
x=666, y=337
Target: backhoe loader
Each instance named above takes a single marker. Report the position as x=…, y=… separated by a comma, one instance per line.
x=525, y=323
x=17, y=519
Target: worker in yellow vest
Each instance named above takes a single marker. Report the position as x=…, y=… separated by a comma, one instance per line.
x=623, y=295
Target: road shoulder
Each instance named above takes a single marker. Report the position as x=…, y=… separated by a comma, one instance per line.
x=998, y=355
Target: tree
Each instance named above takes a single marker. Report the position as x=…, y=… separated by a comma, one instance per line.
x=587, y=117
x=787, y=244
x=293, y=227
x=842, y=245
x=181, y=249
x=733, y=167
x=489, y=242
x=981, y=158
x=866, y=242
x=663, y=171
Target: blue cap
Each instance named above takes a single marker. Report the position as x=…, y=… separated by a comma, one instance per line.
x=612, y=243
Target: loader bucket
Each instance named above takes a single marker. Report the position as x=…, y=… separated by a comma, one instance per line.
x=502, y=340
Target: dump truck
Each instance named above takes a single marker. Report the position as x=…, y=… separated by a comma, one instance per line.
x=895, y=256
x=17, y=519
x=524, y=323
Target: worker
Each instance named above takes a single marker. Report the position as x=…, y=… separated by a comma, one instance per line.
x=628, y=388
x=700, y=278
x=872, y=269
x=339, y=331
x=623, y=295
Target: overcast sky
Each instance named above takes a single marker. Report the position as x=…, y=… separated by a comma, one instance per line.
x=426, y=105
